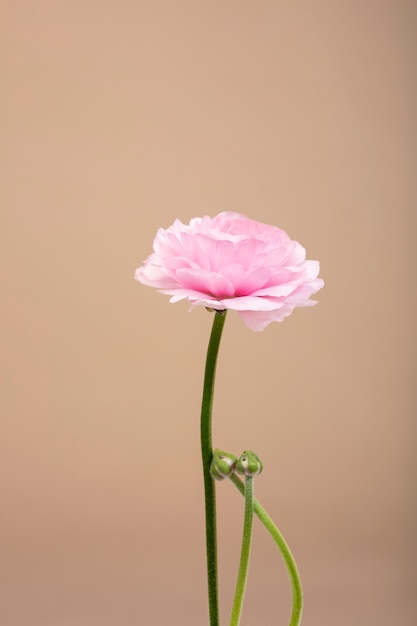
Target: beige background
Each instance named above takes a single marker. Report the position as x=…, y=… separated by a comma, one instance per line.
x=118, y=118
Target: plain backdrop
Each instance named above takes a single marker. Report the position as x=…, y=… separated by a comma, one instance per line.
x=119, y=117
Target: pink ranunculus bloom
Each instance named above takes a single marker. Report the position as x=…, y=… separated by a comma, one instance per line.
x=232, y=262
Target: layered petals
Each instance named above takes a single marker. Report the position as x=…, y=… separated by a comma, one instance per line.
x=232, y=262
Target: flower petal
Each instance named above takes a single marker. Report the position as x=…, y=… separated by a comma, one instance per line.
x=205, y=282
x=232, y=262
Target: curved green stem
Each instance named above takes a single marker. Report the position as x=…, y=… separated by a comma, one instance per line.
x=207, y=453
x=244, y=555
x=297, y=592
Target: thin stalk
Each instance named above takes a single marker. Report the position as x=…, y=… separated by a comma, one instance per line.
x=297, y=592
x=244, y=555
x=207, y=454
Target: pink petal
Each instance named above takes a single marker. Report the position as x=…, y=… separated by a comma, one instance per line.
x=205, y=282
x=250, y=303
x=258, y=321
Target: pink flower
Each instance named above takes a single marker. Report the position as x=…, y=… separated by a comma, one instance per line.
x=232, y=262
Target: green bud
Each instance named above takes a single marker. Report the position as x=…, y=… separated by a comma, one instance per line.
x=249, y=464
x=222, y=465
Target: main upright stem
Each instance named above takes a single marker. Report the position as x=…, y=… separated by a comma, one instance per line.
x=207, y=454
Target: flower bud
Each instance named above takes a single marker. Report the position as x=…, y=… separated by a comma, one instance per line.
x=223, y=465
x=249, y=464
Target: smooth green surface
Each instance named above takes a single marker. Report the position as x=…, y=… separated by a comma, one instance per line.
x=297, y=592
x=207, y=453
x=244, y=554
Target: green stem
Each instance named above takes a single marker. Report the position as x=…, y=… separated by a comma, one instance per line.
x=244, y=555
x=207, y=454
x=297, y=592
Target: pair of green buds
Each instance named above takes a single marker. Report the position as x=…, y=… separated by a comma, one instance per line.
x=249, y=465
x=224, y=464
